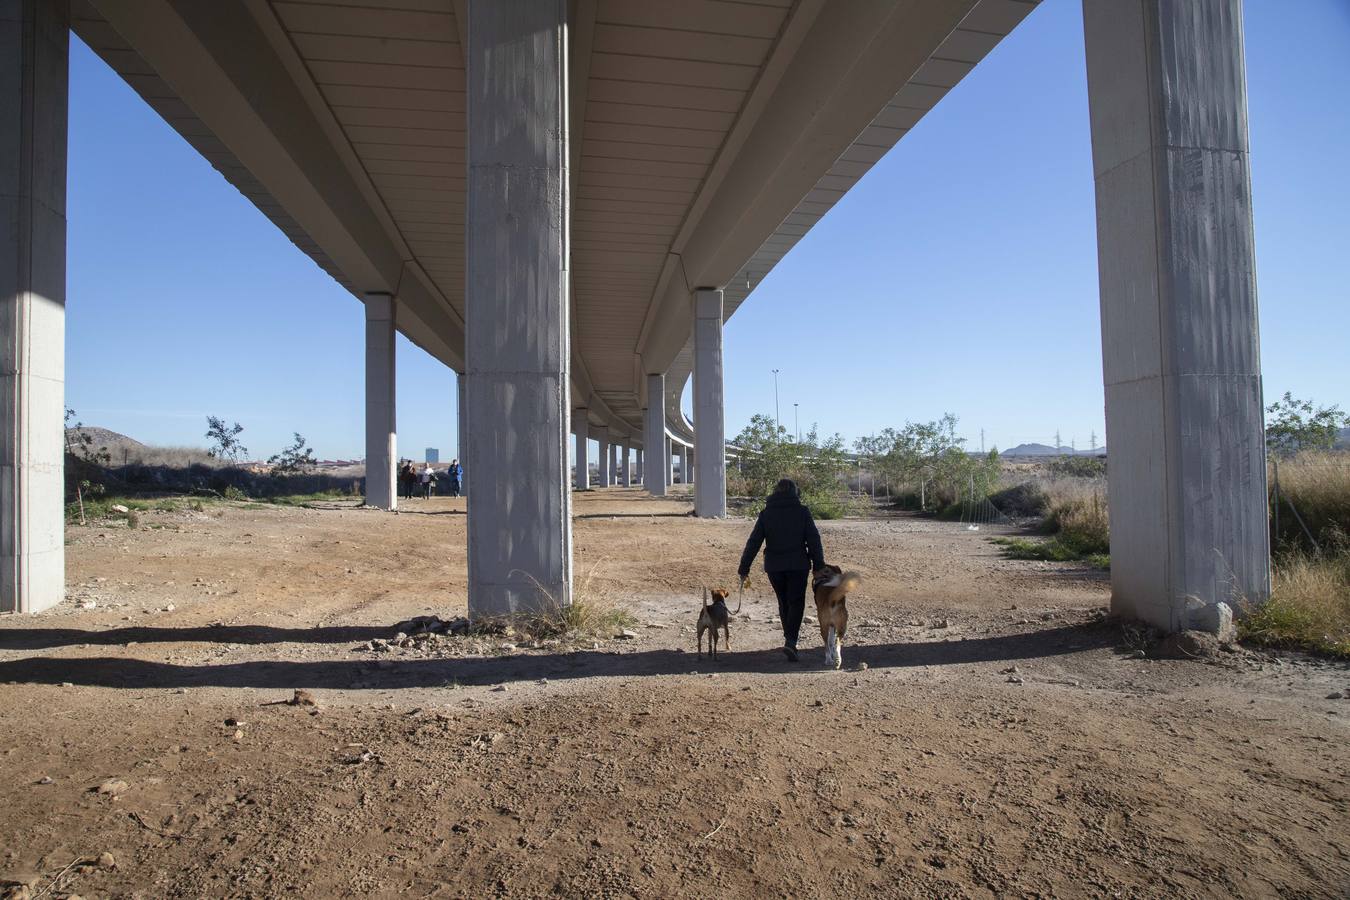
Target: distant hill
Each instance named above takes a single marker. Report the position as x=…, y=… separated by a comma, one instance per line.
x=1047, y=450
x=104, y=437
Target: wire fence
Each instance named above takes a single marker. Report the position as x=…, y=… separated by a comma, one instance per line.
x=1310, y=503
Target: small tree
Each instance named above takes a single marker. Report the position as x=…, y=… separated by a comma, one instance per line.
x=1298, y=425
x=769, y=453
x=295, y=459
x=226, y=439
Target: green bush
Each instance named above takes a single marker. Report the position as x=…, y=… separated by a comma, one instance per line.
x=816, y=465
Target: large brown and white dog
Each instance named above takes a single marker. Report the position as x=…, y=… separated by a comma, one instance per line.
x=831, y=585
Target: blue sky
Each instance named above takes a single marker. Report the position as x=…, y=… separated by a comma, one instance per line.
x=959, y=275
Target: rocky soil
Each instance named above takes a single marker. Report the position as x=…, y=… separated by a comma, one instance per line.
x=223, y=707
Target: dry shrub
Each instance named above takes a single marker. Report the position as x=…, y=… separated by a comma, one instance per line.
x=1081, y=523
x=592, y=612
x=1309, y=606
x=1318, y=486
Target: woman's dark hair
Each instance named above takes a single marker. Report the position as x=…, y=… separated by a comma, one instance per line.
x=786, y=486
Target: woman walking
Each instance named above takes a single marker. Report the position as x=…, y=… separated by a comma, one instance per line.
x=791, y=551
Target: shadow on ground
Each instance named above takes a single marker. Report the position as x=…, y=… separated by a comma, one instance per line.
x=399, y=672
x=37, y=638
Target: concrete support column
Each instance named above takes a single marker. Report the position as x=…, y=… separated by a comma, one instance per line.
x=381, y=437
x=613, y=461
x=463, y=410
x=626, y=464
x=641, y=474
x=709, y=412
x=676, y=451
x=520, y=534
x=655, y=463
x=35, y=39
x=581, y=430
x=1187, y=480
x=602, y=461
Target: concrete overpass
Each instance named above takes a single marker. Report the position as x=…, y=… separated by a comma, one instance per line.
x=565, y=201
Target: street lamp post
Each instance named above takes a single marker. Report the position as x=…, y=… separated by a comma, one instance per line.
x=777, y=423
x=796, y=423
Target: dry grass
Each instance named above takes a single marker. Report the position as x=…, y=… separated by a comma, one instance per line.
x=1318, y=486
x=591, y=612
x=1309, y=607
x=1077, y=521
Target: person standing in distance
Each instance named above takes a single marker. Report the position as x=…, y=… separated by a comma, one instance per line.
x=791, y=552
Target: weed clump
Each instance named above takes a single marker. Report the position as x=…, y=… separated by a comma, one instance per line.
x=1309, y=606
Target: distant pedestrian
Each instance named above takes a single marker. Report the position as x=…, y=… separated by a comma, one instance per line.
x=428, y=482
x=407, y=479
x=453, y=476
x=791, y=546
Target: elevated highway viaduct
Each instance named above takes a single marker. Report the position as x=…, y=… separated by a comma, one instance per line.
x=565, y=200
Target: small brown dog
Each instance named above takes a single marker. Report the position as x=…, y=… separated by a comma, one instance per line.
x=831, y=585
x=713, y=616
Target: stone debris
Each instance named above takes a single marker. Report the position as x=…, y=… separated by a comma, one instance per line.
x=486, y=741
x=365, y=756
x=112, y=787
x=1336, y=695
x=1011, y=670
x=1014, y=679
x=431, y=625
x=119, y=508
x=626, y=634
x=106, y=860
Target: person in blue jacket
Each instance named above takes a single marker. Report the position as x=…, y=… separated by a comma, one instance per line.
x=791, y=552
x=454, y=475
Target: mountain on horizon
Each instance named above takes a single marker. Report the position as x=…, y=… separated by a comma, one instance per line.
x=1047, y=450
x=106, y=437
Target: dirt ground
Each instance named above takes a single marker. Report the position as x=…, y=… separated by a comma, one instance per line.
x=990, y=733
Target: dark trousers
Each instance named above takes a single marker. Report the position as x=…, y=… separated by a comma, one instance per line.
x=791, y=590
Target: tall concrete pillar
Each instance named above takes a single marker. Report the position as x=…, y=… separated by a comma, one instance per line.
x=1187, y=475
x=676, y=450
x=613, y=460
x=603, y=459
x=581, y=429
x=710, y=490
x=654, y=444
x=463, y=415
x=381, y=438
x=640, y=474
x=626, y=464
x=520, y=534
x=34, y=38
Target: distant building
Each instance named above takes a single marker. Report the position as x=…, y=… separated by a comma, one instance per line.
x=433, y=455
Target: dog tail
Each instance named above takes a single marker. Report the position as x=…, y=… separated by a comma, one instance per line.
x=848, y=582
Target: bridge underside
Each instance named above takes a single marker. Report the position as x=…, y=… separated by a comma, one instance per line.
x=633, y=171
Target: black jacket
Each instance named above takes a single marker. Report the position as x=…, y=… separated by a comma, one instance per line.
x=788, y=533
